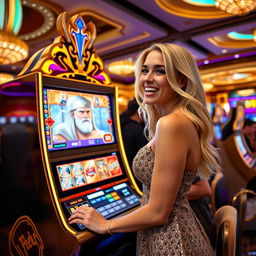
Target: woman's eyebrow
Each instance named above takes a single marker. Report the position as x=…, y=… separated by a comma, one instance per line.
x=159, y=66
x=155, y=66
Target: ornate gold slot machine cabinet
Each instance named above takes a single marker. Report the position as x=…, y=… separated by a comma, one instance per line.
x=80, y=147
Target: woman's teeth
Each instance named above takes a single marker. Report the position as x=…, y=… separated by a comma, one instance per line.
x=151, y=89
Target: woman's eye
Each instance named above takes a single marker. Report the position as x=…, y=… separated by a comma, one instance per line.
x=160, y=71
x=144, y=71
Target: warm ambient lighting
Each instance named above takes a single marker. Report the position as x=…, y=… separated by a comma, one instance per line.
x=12, y=49
x=236, y=7
x=5, y=77
x=122, y=67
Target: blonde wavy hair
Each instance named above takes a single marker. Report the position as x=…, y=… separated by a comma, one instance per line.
x=180, y=64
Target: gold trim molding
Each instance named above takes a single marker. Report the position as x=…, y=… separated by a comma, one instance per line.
x=184, y=9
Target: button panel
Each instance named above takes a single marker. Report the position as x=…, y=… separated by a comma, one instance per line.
x=109, y=202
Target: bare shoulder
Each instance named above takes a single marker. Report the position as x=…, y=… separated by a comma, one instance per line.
x=176, y=122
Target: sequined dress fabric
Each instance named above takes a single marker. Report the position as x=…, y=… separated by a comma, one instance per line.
x=182, y=235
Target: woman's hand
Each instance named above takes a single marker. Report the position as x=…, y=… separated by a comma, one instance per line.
x=90, y=218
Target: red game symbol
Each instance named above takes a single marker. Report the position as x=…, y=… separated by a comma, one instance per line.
x=109, y=121
x=49, y=121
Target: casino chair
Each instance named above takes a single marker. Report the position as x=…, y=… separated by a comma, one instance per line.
x=245, y=203
x=220, y=194
x=225, y=219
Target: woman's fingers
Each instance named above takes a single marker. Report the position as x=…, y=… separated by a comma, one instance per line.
x=78, y=213
x=90, y=218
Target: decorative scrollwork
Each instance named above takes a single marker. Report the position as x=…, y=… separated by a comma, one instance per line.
x=72, y=54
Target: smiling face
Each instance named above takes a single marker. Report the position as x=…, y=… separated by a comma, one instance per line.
x=153, y=81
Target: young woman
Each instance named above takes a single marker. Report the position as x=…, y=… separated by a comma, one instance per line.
x=170, y=93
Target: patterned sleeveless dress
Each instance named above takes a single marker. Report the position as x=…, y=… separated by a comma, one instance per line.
x=183, y=234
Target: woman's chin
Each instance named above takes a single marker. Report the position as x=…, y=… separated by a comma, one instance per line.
x=149, y=101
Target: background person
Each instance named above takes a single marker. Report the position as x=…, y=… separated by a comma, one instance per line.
x=198, y=196
x=132, y=130
x=168, y=88
x=249, y=132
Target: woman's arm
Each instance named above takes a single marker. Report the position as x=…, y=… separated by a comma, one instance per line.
x=171, y=150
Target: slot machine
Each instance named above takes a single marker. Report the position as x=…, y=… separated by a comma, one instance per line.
x=218, y=118
x=81, y=150
x=90, y=169
x=239, y=165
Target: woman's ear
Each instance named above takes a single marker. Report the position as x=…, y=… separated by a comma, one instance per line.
x=182, y=81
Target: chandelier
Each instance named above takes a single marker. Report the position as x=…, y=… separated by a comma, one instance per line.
x=236, y=7
x=12, y=49
x=122, y=67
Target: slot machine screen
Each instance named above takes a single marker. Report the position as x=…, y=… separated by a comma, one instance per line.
x=77, y=119
x=243, y=151
x=87, y=173
x=240, y=144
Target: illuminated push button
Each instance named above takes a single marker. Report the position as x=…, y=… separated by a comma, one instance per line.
x=108, y=196
x=116, y=197
x=114, y=194
x=81, y=226
x=105, y=213
x=111, y=210
x=117, y=207
x=113, y=204
x=101, y=209
x=107, y=137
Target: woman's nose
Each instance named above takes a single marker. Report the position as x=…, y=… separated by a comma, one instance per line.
x=149, y=77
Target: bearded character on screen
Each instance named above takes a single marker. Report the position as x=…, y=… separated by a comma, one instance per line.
x=79, y=123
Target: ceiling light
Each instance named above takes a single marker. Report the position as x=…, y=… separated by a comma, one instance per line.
x=5, y=77
x=236, y=7
x=122, y=67
x=12, y=49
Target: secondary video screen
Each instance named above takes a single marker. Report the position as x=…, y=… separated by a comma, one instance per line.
x=77, y=119
x=240, y=144
x=217, y=131
x=82, y=173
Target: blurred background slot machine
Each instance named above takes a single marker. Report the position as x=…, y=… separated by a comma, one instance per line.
x=237, y=158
